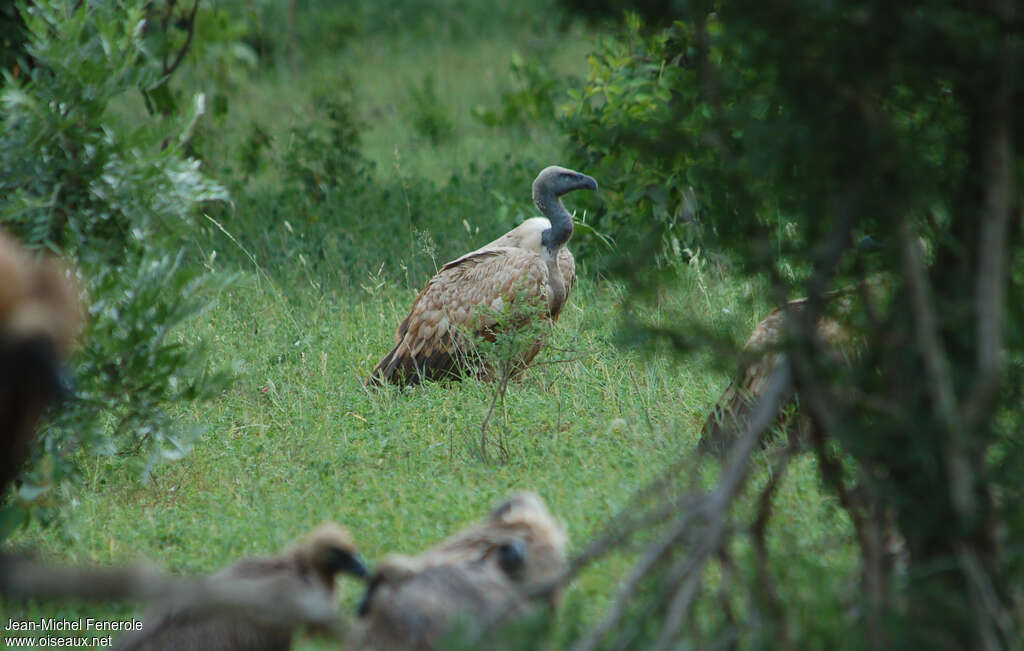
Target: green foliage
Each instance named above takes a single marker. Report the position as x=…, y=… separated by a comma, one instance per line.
x=323, y=155
x=117, y=200
x=12, y=37
x=778, y=154
x=251, y=152
x=282, y=33
x=500, y=352
x=429, y=115
x=621, y=113
x=220, y=49
x=534, y=99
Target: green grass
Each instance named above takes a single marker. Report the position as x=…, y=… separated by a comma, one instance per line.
x=383, y=76
x=298, y=439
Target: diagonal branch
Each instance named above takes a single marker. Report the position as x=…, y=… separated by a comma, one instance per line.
x=168, y=70
x=937, y=372
x=936, y=363
x=712, y=509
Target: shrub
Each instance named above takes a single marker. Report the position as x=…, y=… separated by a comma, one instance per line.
x=117, y=200
x=533, y=100
x=869, y=119
x=428, y=113
x=323, y=154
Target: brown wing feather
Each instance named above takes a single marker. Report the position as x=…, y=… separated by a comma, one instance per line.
x=186, y=628
x=431, y=339
x=296, y=575
x=528, y=236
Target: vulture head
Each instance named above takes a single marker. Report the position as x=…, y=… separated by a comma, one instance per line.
x=485, y=573
x=520, y=538
x=555, y=181
x=329, y=550
x=528, y=543
x=550, y=184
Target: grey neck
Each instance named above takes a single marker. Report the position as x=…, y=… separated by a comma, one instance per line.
x=561, y=221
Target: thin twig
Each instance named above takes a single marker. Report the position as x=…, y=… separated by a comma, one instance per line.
x=499, y=393
x=926, y=326
x=759, y=535
x=987, y=603
x=168, y=71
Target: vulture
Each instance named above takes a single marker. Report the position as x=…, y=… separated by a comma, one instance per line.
x=731, y=411
x=301, y=573
x=40, y=315
x=527, y=265
x=486, y=574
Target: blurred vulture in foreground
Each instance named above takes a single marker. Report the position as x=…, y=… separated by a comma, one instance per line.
x=482, y=576
x=303, y=573
x=732, y=410
x=39, y=318
x=528, y=265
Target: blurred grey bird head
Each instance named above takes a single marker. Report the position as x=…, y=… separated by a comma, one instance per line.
x=556, y=181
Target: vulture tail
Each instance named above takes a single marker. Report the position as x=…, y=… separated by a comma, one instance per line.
x=384, y=372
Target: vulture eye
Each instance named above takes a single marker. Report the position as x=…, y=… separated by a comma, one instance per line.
x=512, y=557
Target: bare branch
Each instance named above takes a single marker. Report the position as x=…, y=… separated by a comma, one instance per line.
x=926, y=325
x=997, y=627
x=759, y=535
x=939, y=379
x=995, y=220
x=708, y=74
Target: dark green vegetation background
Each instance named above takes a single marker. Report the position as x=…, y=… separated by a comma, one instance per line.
x=253, y=222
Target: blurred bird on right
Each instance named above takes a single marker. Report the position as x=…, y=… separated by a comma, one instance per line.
x=729, y=415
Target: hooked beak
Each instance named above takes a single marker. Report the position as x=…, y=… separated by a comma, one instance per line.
x=589, y=183
x=355, y=566
x=344, y=561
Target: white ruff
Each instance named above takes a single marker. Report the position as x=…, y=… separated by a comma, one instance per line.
x=524, y=236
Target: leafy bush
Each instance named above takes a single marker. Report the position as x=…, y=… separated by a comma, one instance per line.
x=533, y=100
x=779, y=154
x=429, y=115
x=622, y=111
x=323, y=154
x=117, y=200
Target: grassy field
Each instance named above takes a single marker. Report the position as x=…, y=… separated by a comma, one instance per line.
x=298, y=439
